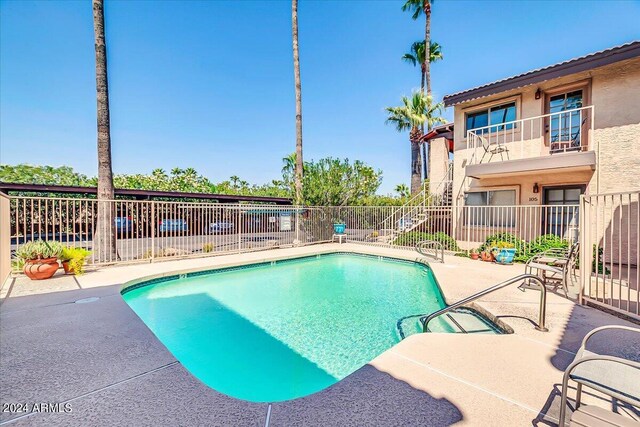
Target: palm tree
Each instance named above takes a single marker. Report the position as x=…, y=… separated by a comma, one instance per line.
x=416, y=111
x=416, y=56
x=296, y=73
x=402, y=190
x=418, y=7
x=105, y=242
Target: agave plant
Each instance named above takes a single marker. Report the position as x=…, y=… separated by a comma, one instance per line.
x=39, y=249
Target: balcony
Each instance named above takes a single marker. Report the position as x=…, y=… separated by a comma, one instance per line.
x=562, y=140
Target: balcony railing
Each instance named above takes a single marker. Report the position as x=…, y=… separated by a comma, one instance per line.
x=561, y=132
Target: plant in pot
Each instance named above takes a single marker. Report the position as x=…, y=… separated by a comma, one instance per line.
x=487, y=253
x=474, y=254
x=73, y=260
x=40, y=258
x=339, y=226
x=503, y=252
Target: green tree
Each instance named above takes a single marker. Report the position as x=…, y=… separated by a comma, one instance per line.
x=48, y=175
x=416, y=57
x=417, y=8
x=402, y=190
x=415, y=112
x=104, y=240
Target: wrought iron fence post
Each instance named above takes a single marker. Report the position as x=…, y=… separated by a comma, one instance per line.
x=153, y=230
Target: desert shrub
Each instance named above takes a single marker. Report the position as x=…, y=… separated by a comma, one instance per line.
x=410, y=238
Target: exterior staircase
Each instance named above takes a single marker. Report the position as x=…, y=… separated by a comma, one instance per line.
x=433, y=200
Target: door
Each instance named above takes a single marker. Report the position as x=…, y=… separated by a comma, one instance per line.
x=565, y=122
x=561, y=214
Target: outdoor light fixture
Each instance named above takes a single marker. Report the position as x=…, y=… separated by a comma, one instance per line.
x=538, y=93
x=536, y=189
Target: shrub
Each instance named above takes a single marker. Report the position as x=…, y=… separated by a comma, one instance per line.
x=492, y=240
x=207, y=247
x=76, y=258
x=410, y=238
x=38, y=249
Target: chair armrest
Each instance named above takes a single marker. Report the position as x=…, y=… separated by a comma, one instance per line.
x=576, y=363
x=603, y=328
x=614, y=359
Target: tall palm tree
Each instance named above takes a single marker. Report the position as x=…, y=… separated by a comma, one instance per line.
x=418, y=7
x=416, y=56
x=416, y=111
x=296, y=73
x=105, y=242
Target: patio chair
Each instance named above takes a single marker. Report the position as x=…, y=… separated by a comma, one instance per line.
x=613, y=376
x=555, y=265
x=493, y=150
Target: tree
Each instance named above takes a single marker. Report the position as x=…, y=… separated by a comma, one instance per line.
x=416, y=57
x=298, y=85
x=412, y=115
x=48, y=175
x=402, y=190
x=104, y=241
x=418, y=7
x=335, y=182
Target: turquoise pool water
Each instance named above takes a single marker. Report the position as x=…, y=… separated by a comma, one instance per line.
x=279, y=331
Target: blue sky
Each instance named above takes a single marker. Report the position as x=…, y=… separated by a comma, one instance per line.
x=209, y=84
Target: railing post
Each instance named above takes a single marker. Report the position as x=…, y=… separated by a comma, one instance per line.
x=153, y=230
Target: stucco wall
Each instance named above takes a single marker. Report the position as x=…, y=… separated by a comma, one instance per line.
x=438, y=163
x=614, y=90
x=5, y=239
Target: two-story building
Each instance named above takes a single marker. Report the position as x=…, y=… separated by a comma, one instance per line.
x=542, y=138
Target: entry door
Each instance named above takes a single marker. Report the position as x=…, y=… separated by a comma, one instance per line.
x=565, y=129
x=561, y=214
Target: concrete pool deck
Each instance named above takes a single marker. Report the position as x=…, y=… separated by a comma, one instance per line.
x=103, y=360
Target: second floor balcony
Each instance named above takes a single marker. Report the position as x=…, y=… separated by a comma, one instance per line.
x=562, y=139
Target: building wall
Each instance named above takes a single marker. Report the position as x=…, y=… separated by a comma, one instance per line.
x=614, y=90
x=438, y=164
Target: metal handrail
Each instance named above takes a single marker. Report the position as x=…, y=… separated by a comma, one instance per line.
x=420, y=246
x=531, y=277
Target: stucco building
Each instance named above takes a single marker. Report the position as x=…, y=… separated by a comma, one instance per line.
x=542, y=138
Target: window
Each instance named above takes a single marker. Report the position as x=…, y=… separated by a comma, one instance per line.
x=492, y=116
x=565, y=128
x=561, y=214
x=491, y=208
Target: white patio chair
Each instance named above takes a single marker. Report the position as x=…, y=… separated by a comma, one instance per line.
x=613, y=376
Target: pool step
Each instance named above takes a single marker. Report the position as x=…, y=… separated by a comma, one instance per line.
x=458, y=321
x=464, y=321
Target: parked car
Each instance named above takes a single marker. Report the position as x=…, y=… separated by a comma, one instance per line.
x=124, y=226
x=220, y=227
x=172, y=226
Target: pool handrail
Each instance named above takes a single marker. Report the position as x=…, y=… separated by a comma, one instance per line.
x=420, y=246
x=524, y=277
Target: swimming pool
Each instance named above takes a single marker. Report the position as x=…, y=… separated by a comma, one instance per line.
x=281, y=330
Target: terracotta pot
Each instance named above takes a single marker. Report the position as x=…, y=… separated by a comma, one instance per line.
x=474, y=255
x=65, y=266
x=487, y=256
x=39, y=269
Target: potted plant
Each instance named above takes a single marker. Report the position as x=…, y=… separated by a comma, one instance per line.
x=40, y=258
x=474, y=254
x=486, y=255
x=73, y=260
x=503, y=252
